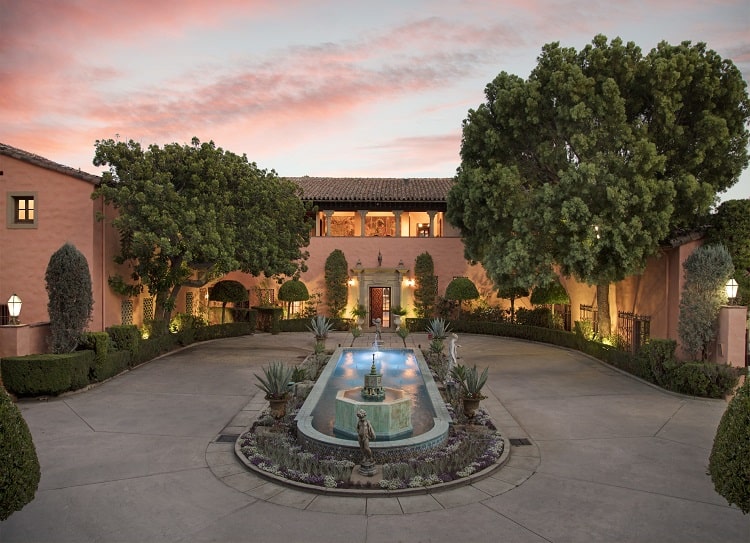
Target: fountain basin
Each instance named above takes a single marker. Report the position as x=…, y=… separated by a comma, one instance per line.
x=390, y=417
x=430, y=420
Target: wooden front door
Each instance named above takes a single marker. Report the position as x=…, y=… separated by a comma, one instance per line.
x=380, y=305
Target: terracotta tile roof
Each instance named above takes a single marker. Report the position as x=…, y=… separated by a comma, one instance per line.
x=374, y=189
x=42, y=162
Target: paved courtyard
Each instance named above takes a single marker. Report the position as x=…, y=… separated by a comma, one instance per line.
x=611, y=459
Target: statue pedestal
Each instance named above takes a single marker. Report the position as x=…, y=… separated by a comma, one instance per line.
x=357, y=478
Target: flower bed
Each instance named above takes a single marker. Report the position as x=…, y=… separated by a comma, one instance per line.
x=271, y=446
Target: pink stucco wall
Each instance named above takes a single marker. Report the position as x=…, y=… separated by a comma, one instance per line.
x=65, y=212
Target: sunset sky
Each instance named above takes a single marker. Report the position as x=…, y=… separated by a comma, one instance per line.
x=307, y=87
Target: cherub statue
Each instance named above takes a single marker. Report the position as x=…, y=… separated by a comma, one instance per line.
x=365, y=433
x=453, y=352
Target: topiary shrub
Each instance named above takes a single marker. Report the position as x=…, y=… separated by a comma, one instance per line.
x=461, y=289
x=336, y=275
x=293, y=291
x=706, y=272
x=426, y=286
x=71, y=299
x=225, y=292
x=729, y=463
x=19, y=465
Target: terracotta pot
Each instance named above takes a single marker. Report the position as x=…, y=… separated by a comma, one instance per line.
x=278, y=407
x=470, y=406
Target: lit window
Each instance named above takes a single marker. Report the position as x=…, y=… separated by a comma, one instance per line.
x=24, y=210
x=21, y=210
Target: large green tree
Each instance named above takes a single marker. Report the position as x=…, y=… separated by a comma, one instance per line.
x=584, y=167
x=731, y=226
x=188, y=207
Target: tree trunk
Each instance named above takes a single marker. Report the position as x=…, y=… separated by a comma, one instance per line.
x=512, y=309
x=602, y=305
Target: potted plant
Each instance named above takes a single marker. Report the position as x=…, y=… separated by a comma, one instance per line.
x=437, y=331
x=359, y=312
x=320, y=326
x=275, y=383
x=471, y=383
x=397, y=311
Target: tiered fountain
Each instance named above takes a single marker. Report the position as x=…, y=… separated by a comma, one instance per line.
x=388, y=409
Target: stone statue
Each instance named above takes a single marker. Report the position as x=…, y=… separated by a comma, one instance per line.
x=378, y=332
x=365, y=433
x=453, y=354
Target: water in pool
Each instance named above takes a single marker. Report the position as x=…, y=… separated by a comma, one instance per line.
x=400, y=370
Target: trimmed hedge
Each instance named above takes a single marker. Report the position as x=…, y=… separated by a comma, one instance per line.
x=19, y=464
x=269, y=319
x=103, y=355
x=107, y=361
x=47, y=374
x=217, y=331
x=654, y=362
x=303, y=325
x=125, y=337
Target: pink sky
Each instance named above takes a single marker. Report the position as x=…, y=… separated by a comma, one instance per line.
x=306, y=87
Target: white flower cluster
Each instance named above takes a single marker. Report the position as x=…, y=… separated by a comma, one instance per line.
x=418, y=481
x=390, y=484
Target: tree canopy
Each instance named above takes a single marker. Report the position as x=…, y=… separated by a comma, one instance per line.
x=587, y=165
x=188, y=207
x=731, y=227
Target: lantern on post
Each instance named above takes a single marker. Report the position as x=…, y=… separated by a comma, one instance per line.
x=731, y=288
x=14, y=308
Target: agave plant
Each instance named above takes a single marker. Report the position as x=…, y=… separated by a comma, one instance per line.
x=471, y=380
x=403, y=333
x=438, y=328
x=275, y=380
x=320, y=326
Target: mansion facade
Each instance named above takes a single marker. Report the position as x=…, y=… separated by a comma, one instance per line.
x=380, y=224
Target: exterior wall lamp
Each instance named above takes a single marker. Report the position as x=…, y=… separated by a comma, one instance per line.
x=731, y=288
x=14, y=308
x=352, y=281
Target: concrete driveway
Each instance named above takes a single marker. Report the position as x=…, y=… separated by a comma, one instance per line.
x=610, y=459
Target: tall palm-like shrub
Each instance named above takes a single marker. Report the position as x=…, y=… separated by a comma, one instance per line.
x=71, y=299
x=19, y=465
x=425, y=292
x=706, y=273
x=336, y=275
